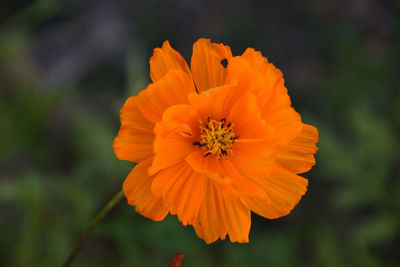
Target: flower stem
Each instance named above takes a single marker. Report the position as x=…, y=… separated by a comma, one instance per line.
x=114, y=201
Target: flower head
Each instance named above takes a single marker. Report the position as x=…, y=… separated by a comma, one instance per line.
x=214, y=142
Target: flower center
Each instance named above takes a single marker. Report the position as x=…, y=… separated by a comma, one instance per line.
x=216, y=138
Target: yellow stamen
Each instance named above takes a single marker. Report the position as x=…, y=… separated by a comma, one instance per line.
x=216, y=138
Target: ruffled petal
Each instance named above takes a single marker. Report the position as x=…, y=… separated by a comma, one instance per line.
x=254, y=168
x=241, y=74
x=170, y=90
x=256, y=60
x=229, y=179
x=268, y=80
x=174, y=137
x=206, y=66
x=131, y=116
x=134, y=141
x=182, y=191
x=137, y=189
x=284, y=189
x=240, y=185
x=164, y=59
x=133, y=145
x=213, y=103
x=208, y=165
x=298, y=155
x=272, y=98
x=286, y=123
x=219, y=216
x=246, y=119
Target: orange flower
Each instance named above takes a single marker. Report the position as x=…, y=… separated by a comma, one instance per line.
x=214, y=142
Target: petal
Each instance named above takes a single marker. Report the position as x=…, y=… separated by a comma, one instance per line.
x=256, y=138
x=240, y=185
x=284, y=189
x=131, y=116
x=212, y=103
x=286, y=123
x=133, y=145
x=208, y=165
x=134, y=141
x=219, y=216
x=164, y=59
x=207, y=70
x=174, y=137
x=256, y=60
x=182, y=191
x=272, y=97
x=230, y=181
x=241, y=74
x=137, y=189
x=269, y=79
x=254, y=168
x=298, y=155
x=170, y=90
x=247, y=122
x=184, y=118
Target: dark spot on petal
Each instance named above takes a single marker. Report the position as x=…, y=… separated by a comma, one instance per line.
x=224, y=63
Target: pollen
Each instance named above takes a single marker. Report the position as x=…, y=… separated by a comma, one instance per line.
x=217, y=138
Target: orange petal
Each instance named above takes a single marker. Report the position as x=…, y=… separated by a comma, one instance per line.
x=245, y=78
x=131, y=116
x=174, y=137
x=247, y=122
x=284, y=189
x=269, y=80
x=230, y=181
x=240, y=185
x=164, y=59
x=207, y=70
x=219, y=216
x=137, y=189
x=209, y=166
x=134, y=141
x=188, y=124
x=213, y=103
x=298, y=155
x=272, y=97
x=278, y=100
x=133, y=145
x=256, y=60
x=171, y=90
x=182, y=191
x=256, y=138
x=254, y=168
x=286, y=123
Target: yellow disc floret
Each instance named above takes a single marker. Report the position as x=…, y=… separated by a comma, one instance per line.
x=216, y=138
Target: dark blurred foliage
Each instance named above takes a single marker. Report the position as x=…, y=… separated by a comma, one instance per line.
x=66, y=68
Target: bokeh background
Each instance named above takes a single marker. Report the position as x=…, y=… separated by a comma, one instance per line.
x=66, y=68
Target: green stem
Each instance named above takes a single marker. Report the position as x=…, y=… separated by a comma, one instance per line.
x=98, y=218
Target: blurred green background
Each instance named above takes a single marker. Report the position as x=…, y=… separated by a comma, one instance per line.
x=66, y=68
